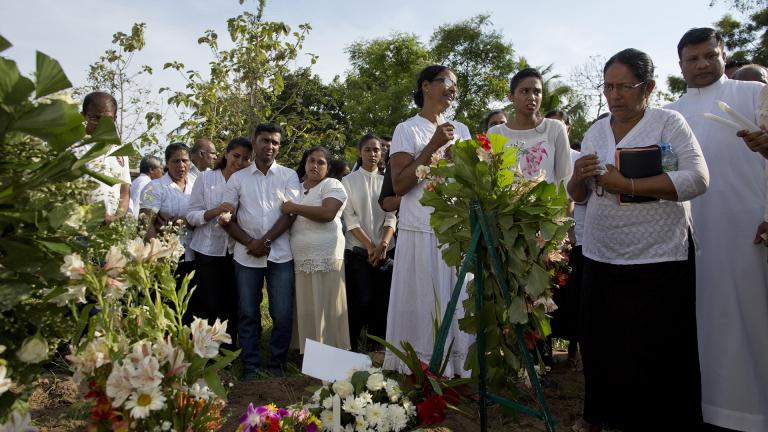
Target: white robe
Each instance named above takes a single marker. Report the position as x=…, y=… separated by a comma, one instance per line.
x=731, y=272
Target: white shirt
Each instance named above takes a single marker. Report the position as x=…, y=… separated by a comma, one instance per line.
x=411, y=136
x=319, y=246
x=259, y=199
x=112, y=166
x=552, y=137
x=137, y=186
x=209, y=237
x=165, y=197
x=650, y=232
x=363, y=210
x=731, y=272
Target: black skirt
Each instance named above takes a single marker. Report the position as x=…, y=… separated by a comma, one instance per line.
x=639, y=345
x=565, y=320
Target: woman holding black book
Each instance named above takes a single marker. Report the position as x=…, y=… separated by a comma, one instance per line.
x=639, y=285
x=368, y=239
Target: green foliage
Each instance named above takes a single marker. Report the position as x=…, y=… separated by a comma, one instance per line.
x=482, y=60
x=253, y=83
x=380, y=83
x=41, y=213
x=527, y=226
x=746, y=41
x=313, y=112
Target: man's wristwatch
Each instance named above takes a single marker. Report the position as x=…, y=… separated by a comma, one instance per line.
x=268, y=243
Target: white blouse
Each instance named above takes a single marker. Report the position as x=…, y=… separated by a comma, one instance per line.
x=650, y=232
x=552, y=137
x=165, y=197
x=319, y=246
x=411, y=136
x=363, y=210
x=209, y=237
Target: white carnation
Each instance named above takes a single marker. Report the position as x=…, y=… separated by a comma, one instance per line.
x=34, y=349
x=375, y=382
x=343, y=389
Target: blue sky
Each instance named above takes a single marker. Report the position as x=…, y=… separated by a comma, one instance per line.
x=562, y=32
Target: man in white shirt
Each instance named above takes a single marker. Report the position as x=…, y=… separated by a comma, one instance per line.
x=731, y=271
x=116, y=197
x=150, y=168
x=263, y=249
x=203, y=156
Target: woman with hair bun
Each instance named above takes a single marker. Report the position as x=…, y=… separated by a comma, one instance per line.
x=421, y=279
x=639, y=342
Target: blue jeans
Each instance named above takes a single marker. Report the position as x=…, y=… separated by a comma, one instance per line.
x=280, y=288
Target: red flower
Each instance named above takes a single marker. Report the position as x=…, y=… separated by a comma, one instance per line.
x=431, y=410
x=485, y=143
x=531, y=337
x=561, y=278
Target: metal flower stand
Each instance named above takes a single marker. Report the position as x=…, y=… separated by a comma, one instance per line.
x=480, y=227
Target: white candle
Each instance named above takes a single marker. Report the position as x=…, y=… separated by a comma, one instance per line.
x=722, y=121
x=744, y=122
x=336, y=413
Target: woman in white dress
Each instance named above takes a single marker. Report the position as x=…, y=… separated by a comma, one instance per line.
x=317, y=244
x=421, y=279
x=538, y=136
x=216, y=293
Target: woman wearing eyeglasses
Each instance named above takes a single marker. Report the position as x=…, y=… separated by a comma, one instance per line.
x=546, y=137
x=639, y=344
x=421, y=279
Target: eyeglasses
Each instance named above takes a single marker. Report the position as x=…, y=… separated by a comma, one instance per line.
x=446, y=81
x=205, y=153
x=621, y=88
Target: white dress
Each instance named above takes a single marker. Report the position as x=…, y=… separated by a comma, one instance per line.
x=318, y=253
x=731, y=272
x=420, y=278
x=552, y=137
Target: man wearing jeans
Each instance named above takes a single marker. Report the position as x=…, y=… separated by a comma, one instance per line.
x=263, y=249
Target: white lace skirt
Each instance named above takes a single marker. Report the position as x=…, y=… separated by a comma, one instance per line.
x=420, y=281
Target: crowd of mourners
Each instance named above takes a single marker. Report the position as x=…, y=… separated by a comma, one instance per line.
x=667, y=304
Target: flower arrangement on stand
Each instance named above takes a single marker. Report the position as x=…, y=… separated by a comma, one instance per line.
x=144, y=368
x=527, y=223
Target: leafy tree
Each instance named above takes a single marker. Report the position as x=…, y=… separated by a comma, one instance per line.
x=587, y=80
x=482, y=60
x=315, y=111
x=138, y=119
x=246, y=84
x=380, y=82
x=746, y=41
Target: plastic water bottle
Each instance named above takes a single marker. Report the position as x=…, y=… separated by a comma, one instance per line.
x=668, y=158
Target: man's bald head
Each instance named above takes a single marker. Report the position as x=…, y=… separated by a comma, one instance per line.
x=203, y=154
x=751, y=72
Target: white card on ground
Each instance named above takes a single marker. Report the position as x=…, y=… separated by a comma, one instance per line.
x=331, y=364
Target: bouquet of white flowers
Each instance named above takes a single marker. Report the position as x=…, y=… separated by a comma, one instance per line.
x=367, y=400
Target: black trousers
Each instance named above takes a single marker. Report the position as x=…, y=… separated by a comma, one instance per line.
x=216, y=294
x=367, y=297
x=639, y=346
x=565, y=320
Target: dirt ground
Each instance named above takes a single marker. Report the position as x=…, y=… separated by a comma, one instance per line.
x=58, y=406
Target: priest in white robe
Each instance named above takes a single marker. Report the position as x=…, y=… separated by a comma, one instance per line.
x=731, y=271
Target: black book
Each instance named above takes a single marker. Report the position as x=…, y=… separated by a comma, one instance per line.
x=635, y=163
